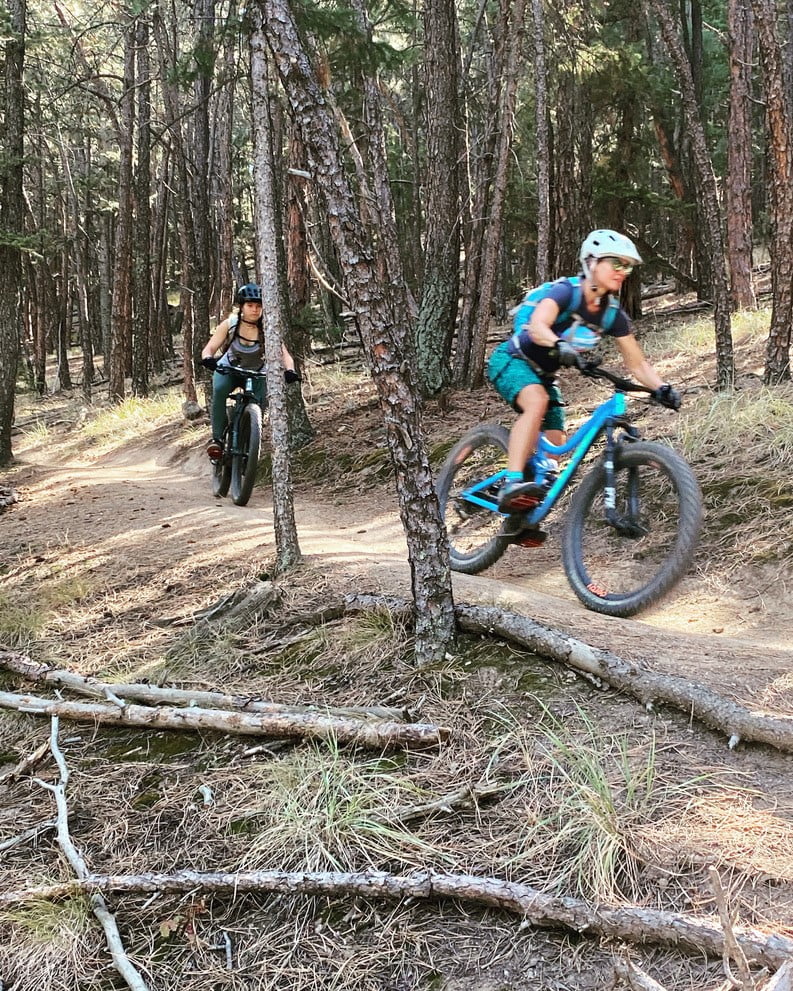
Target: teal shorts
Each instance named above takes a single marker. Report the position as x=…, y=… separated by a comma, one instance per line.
x=508, y=374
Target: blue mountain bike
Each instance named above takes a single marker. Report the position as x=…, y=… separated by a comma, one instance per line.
x=632, y=524
x=242, y=439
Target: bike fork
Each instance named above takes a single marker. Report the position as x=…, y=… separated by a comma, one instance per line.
x=628, y=525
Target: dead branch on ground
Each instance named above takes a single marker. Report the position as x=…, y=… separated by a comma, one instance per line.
x=635, y=977
x=32, y=670
x=105, y=917
x=631, y=924
x=737, y=722
x=782, y=980
x=732, y=950
x=308, y=725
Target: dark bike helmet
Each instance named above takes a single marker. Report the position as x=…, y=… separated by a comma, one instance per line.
x=249, y=293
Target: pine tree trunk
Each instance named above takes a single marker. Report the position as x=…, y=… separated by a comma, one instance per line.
x=738, y=188
x=779, y=141
x=268, y=234
x=382, y=316
x=707, y=200
x=141, y=278
x=513, y=32
x=12, y=217
x=543, y=141
x=121, y=321
x=441, y=285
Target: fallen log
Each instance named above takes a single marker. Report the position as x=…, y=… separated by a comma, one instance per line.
x=737, y=722
x=306, y=725
x=631, y=924
x=32, y=670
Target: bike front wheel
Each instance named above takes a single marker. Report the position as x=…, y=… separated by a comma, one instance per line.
x=623, y=565
x=245, y=460
x=475, y=533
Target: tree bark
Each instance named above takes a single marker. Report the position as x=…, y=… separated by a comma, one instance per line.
x=12, y=218
x=779, y=151
x=268, y=235
x=708, y=199
x=628, y=923
x=382, y=314
x=441, y=282
x=738, y=187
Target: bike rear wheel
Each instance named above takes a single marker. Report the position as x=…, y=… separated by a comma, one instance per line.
x=621, y=569
x=221, y=470
x=245, y=460
x=475, y=538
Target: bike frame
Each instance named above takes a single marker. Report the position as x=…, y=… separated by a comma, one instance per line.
x=604, y=418
x=241, y=400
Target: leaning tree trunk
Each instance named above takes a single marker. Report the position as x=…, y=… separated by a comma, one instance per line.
x=382, y=317
x=438, y=309
x=708, y=199
x=268, y=234
x=779, y=130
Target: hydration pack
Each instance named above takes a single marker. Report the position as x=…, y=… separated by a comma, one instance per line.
x=524, y=311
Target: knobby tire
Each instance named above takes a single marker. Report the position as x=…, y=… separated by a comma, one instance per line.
x=221, y=470
x=475, y=534
x=621, y=574
x=246, y=460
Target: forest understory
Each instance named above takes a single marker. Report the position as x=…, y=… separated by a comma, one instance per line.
x=290, y=803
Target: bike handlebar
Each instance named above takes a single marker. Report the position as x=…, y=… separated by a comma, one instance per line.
x=591, y=369
x=240, y=372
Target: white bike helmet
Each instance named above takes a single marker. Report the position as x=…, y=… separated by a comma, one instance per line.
x=600, y=244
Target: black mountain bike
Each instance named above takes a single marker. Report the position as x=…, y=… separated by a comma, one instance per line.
x=241, y=439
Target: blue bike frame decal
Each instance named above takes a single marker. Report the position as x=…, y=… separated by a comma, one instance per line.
x=579, y=444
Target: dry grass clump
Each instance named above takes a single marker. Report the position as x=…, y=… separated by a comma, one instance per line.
x=585, y=800
x=318, y=808
x=49, y=945
x=741, y=447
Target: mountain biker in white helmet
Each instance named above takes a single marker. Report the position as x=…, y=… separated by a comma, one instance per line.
x=553, y=327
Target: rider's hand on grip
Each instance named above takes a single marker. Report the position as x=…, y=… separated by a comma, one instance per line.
x=211, y=363
x=568, y=356
x=290, y=375
x=667, y=396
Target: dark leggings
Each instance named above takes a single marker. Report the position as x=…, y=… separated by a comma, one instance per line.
x=221, y=389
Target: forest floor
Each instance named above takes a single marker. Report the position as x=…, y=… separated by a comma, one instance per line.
x=111, y=539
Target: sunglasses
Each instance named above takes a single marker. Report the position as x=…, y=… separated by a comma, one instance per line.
x=617, y=265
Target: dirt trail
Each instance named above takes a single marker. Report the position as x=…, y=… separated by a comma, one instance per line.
x=146, y=517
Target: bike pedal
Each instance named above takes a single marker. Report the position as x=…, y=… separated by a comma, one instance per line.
x=533, y=538
x=522, y=503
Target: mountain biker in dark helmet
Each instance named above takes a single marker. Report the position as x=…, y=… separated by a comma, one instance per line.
x=241, y=338
x=564, y=319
